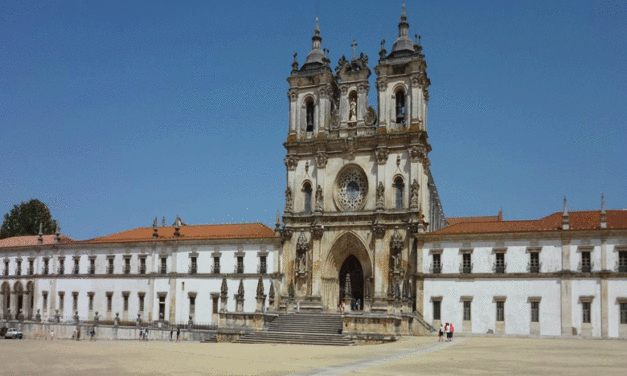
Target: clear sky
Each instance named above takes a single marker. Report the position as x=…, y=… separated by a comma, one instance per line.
x=114, y=112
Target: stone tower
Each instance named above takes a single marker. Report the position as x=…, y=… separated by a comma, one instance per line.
x=358, y=182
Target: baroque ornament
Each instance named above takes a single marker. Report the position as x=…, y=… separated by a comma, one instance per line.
x=382, y=154
x=352, y=189
x=302, y=245
x=321, y=159
x=396, y=243
x=291, y=162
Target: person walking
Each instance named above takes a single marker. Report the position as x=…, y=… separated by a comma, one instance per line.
x=51, y=334
x=452, y=331
x=171, y=332
x=441, y=333
x=446, y=329
x=178, y=334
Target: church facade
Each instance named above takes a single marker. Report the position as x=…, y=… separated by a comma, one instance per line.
x=362, y=228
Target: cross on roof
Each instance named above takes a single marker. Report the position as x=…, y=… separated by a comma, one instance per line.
x=354, y=44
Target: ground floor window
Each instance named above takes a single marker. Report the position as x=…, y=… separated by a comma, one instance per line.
x=500, y=311
x=436, y=309
x=623, y=313
x=535, y=311
x=586, y=312
x=467, y=316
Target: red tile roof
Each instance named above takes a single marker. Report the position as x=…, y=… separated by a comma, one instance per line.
x=489, y=218
x=200, y=232
x=578, y=220
x=31, y=240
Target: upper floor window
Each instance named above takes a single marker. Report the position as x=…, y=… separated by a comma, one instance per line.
x=127, y=265
x=110, y=268
x=46, y=265
x=586, y=263
x=92, y=265
x=193, y=269
x=263, y=266
x=398, y=190
x=6, y=267
x=240, y=264
x=467, y=263
x=534, y=262
x=18, y=271
x=31, y=267
x=61, y=266
x=216, y=265
x=437, y=264
x=499, y=266
x=308, y=192
x=310, y=115
x=622, y=261
x=164, y=265
x=400, y=106
x=142, y=265
x=76, y=270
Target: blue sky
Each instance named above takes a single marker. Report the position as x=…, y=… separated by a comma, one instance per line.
x=114, y=112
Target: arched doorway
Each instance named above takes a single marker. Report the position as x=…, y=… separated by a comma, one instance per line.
x=19, y=296
x=6, y=298
x=352, y=268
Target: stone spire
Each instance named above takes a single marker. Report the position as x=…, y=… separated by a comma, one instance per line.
x=40, y=239
x=57, y=232
x=177, y=227
x=260, y=291
x=155, y=229
x=277, y=224
x=224, y=289
x=240, y=290
x=316, y=55
x=403, y=42
x=271, y=292
x=565, y=216
x=603, y=222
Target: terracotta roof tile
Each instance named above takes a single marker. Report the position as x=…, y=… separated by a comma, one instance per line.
x=578, y=220
x=223, y=231
x=456, y=220
x=31, y=240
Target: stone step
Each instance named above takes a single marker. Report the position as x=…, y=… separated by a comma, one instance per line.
x=296, y=338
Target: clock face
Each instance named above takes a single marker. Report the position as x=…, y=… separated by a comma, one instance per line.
x=352, y=189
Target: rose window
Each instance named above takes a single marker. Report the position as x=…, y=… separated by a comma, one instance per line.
x=352, y=187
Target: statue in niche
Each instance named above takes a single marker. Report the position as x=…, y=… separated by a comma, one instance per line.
x=288, y=200
x=353, y=111
x=302, y=263
x=380, y=195
x=396, y=261
x=414, y=193
x=319, y=198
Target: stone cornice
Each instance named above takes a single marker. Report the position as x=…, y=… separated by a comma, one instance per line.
x=216, y=276
x=564, y=235
x=367, y=143
x=564, y=274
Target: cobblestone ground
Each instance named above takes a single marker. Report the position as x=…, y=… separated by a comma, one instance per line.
x=410, y=356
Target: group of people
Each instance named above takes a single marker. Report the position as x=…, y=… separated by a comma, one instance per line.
x=143, y=334
x=341, y=306
x=446, y=332
x=178, y=334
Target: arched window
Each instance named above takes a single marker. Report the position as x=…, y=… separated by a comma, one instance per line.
x=398, y=190
x=307, y=190
x=400, y=106
x=310, y=115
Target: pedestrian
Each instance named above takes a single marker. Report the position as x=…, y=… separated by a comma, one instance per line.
x=441, y=333
x=51, y=334
x=171, y=332
x=343, y=306
x=178, y=334
x=78, y=334
x=146, y=334
x=446, y=329
x=358, y=304
x=297, y=306
x=452, y=331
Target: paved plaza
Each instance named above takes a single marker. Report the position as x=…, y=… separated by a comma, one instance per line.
x=409, y=356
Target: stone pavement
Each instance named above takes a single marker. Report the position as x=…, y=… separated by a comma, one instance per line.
x=409, y=356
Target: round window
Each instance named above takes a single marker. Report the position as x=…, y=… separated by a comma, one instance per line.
x=352, y=188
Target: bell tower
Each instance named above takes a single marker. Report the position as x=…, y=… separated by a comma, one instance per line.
x=402, y=83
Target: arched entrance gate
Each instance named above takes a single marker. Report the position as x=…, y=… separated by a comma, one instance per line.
x=347, y=256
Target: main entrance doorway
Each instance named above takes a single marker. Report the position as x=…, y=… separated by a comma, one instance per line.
x=352, y=267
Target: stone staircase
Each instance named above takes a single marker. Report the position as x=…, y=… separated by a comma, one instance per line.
x=302, y=328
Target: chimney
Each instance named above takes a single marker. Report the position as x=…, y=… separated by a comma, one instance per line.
x=40, y=239
x=603, y=223
x=57, y=237
x=565, y=216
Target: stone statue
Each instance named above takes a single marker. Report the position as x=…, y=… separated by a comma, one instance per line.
x=380, y=195
x=96, y=318
x=76, y=318
x=353, y=111
x=396, y=261
x=289, y=200
x=190, y=322
x=38, y=316
x=415, y=188
x=116, y=320
x=302, y=262
x=319, y=198
x=138, y=322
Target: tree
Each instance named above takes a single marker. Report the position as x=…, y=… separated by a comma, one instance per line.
x=25, y=219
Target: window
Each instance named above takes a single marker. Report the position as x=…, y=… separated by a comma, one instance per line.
x=623, y=313
x=109, y=301
x=75, y=270
x=216, y=264
x=61, y=301
x=194, y=267
x=110, y=269
x=499, y=266
x=400, y=106
x=622, y=261
x=437, y=265
x=307, y=190
x=46, y=264
x=310, y=116
x=75, y=301
x=466, y=263
x=92, y=265
x=436, y=309
x=263, y=267
x=164, y=265
x=192, y=304
x=31, y=267
x=61, y=266
x=141, y=302
x=534, y=262
x=91, y=302
x=586, y=312
x=240, y=264
x=535, y=311
x=586, y=265
x=45, y=298
x=125, y=299
x=142, y=265
x=398, y=190
x=467, y=316
x=500, y=310
x=214, y=304
x=127, y=265
x=6, y=267
x=18, y=271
